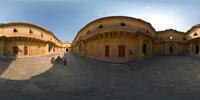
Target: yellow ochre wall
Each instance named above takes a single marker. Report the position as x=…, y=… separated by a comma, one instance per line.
x=133, y=35
x=38, y=40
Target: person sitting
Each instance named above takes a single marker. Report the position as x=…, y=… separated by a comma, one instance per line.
x=64, y=61
x=52, y=60
x=58, y=59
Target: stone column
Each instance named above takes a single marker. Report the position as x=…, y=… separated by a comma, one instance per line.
x=140, y=48
x=176, y=48
x=199, y=50
x=191, y=49
x=1, y=48
x=165, y=48
x=151, y=47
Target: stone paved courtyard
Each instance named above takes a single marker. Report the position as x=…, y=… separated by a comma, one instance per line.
x=154, y=78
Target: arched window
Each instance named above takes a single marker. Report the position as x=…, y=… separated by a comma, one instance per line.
x=122, y=24
x=195, y=34
x=156, y=38
x=30, y=31
x=100, y=26
x=88, y=32
x=15, y=30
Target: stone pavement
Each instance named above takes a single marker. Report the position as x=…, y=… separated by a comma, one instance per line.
x=155, y=78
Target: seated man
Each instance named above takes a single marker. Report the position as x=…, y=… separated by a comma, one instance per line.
x=65, y=61
x=58, y=59
x=52, y=60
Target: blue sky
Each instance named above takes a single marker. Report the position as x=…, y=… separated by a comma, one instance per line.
x=66, y=17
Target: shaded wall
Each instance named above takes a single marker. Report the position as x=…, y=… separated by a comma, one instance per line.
x=95, y=47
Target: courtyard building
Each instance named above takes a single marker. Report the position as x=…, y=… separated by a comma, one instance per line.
x=20, y=39
x=122, y=38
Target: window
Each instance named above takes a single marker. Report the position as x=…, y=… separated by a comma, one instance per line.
x=156, y=38
x=170, y=37
x=49, y=48
x=41, y=35
x=88, y=32
x=121, y=51
x=122, y=24
x=30, y=31
x=14, y=30
x=100, y=26
x=195, y=34
x=15, y=50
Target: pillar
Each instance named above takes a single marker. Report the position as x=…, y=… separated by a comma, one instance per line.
x=1, y=48
x=191, y=49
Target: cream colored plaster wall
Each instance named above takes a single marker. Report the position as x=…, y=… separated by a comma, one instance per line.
x=33, y=48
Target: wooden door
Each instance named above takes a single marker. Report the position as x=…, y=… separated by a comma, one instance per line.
x=171, y=50
x=121, y=51
x=144, y=49
x=15, y=51
x=107, y=51
x=197, y=49
x=25, y=50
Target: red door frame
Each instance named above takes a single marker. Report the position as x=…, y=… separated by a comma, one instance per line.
x=15, y=50
x=26, y=50
x=107, y=50
x=121, y=51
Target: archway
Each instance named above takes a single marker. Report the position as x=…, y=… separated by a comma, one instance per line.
x=144, y=49
x=26, y=50
x=67, y=49
x=80, y=48
x=121, y=51
x=196, y=49
x=15, y=50
x=171, y=50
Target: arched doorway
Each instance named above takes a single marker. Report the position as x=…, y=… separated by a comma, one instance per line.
x=171, y=50
x=15, y=50
x=196, y=49
x=80, y=48
x=121, y=51
x=50, y=47
x=144, y=49
x=26, y=50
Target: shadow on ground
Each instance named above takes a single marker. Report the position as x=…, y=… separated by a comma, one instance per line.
x=157, y=77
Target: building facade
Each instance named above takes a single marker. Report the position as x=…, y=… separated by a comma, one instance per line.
x=119, y=38
x=67, y=46
x=24, y=40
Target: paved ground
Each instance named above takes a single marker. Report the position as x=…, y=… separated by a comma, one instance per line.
x=154, y=78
